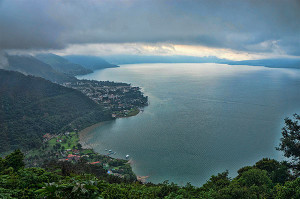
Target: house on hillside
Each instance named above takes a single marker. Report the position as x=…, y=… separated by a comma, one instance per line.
x=73, y=157
x=47, y=137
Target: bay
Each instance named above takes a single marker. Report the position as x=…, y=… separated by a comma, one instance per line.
x=202, y=118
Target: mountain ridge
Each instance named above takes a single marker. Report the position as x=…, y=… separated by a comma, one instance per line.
x=29, y=65
x=90, y=62
x=136, y=59
x=63, y=65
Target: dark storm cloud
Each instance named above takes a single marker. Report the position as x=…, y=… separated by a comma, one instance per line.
x=253, y=25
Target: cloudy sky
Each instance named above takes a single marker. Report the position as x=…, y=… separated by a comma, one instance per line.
x=233, y=29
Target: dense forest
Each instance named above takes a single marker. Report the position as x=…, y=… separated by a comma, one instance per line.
x=31, y=107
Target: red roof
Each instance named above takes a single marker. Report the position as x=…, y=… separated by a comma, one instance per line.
x=47, y=135
x=98, y=162
x=71, y=156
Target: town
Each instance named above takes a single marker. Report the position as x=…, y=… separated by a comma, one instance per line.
x=66, y=147
x=122, y=99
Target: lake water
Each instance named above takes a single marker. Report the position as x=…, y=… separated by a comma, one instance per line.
x=202, y=118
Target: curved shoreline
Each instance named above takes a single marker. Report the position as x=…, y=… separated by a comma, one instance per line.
x=83, y=135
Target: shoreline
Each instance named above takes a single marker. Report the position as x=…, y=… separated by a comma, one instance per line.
x=131, y=113
x=83, y=135
x=83, y=141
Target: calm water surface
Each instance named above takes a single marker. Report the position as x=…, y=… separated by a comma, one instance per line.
x=202, y=118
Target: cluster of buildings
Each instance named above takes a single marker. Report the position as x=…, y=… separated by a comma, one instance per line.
x=74, y=155
x=118, y=97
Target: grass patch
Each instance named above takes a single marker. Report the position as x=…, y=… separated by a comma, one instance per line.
x=133, y=112
x=87, y=151
x=67, y=141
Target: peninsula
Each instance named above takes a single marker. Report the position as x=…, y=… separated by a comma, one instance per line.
x=121, y=99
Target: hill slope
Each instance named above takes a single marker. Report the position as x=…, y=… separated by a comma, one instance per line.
x=90, y=62
x=31, y=66
x=31, y=106
x=62, y=65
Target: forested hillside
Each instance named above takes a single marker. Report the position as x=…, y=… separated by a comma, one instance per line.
x=31, y=106
x=31, y=66
x=62, y=65
x=90, y=62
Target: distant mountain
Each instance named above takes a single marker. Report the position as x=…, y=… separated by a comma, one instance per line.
x=134, y=59
x=31, y=107
x=90, y=62
x=63, y=65
x=271, y=63
x=31, y=66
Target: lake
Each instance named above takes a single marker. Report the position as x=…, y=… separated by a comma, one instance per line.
x=202, y=118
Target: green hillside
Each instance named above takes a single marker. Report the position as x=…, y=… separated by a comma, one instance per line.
x=62, y=65
x=90, y=62
x=31, y=106
x=31, y=66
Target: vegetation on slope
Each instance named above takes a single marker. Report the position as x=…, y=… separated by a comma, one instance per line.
x=31, y=66
x=62, y=65
x=90, y=62
x=31, y=107
x=81, y=180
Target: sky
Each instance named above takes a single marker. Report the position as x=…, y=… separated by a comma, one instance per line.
x=231, y=29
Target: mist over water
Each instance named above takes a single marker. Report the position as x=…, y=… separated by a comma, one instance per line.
x=202, y=118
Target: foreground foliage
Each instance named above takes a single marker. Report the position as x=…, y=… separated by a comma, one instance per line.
x=290, y=142
x=266, y=179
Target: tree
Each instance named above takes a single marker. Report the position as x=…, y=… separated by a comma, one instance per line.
x=243, y=169
x=277, y=171
x=1, y=164
x=291, y=190
x=267, y=164
x=217, y=182
x=57, y=146
x=290, y=142
x=15, y=160
x=79, y=146
x=257, y=182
